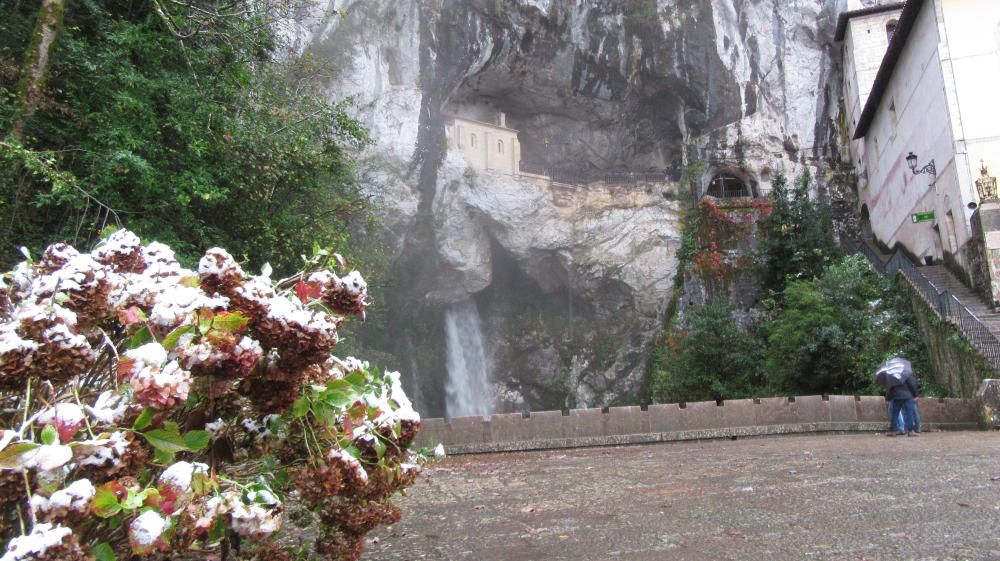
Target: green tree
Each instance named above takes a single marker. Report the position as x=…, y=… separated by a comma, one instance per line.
x=798, y=240
x=833, y=331
x=185, y=121
x=710, y=358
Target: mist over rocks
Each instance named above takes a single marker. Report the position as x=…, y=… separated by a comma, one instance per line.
x=570, y=294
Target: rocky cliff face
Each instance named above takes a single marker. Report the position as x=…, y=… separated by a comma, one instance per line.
x=572, y=290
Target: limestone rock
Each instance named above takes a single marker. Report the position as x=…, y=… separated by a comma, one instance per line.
x=572, y=290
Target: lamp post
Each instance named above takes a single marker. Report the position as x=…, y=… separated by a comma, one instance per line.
x=911, y=160
x=986, y=185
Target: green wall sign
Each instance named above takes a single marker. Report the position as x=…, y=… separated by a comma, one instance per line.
x=923, y=217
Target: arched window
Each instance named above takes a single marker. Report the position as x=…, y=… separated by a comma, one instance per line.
x=890, y=29
x=727, y=186
x=499, y=147
x=472, y=140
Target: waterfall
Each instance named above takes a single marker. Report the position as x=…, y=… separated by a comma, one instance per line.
x=468, y=387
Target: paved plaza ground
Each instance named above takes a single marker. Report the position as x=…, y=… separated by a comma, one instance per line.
x=858, y=497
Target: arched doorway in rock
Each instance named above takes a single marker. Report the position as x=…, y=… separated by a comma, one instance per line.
x=727, y=185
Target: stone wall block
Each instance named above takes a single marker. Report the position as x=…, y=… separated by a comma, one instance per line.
x=813, y=409
x=432, y=432
x=702, y=415
x=843, y=409
x=961, y=411
x=468, y=430
x=548, y=425
x=932, y=410
x=777, y=411
x=627, y=420
x=665, y=417
x=511, y=427
x=873, y=409
x=586, y=422
x=739, y=412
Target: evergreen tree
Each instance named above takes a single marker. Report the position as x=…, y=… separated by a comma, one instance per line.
x=798, y=240
x=710, y=358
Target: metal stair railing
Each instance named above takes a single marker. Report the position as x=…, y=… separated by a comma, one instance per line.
x=947, y=306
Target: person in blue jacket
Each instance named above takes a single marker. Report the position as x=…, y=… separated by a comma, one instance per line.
x=903, y=417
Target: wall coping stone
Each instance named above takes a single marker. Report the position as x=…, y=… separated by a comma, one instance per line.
x=578, y=428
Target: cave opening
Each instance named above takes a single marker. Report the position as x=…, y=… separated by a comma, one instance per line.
x=728, y=186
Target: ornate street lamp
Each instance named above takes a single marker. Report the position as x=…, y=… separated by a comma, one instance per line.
x=911, y=160
x=986, y=185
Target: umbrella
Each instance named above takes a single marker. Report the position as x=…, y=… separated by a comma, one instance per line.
x=893, y=372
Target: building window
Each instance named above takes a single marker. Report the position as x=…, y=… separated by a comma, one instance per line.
x=499, y=147
x=890, y=29
x=472, y=140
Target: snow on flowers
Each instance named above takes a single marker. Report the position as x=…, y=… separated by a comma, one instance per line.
x=187, y=406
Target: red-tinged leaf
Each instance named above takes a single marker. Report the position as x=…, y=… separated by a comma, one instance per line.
x=205, y=318
x=131, y=316
x=105, y=502
x=308, y=291
x=124, y=368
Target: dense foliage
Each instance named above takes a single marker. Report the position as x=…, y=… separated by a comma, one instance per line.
x=710, y=359
x=832, y=332
x=185, y=121
x=797, y=239
x=152, y=411
x=826, y=323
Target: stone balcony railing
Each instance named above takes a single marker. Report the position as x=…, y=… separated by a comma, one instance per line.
x=617, y=177
x=692, y=421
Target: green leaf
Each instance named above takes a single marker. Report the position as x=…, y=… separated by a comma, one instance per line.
x=105, y=503
x=49, y=435
x=163, y=456
x=197, y=439
x=281, y=478
x=230, y=321
x=356, y=379
x=166, y=440
x=205, y=318
x=103, y=552
x=300, y=408
x=338, y=384
x=11, y=456
x=135, y=500
x=339, y=399
x=141, y=337
x=379, y=447
x=144, y=419
x=171, y=340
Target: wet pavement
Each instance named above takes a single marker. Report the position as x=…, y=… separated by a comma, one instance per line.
x=858, y=497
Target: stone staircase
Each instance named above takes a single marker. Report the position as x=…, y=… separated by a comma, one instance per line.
x=944, y=280
x=945, y=294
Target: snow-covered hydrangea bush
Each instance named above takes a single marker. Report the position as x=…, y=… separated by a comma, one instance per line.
x=150, y=410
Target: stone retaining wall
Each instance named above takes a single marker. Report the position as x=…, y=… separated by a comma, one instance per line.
x=702, y=420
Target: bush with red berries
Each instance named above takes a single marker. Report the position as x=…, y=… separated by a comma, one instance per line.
x=152, y=411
